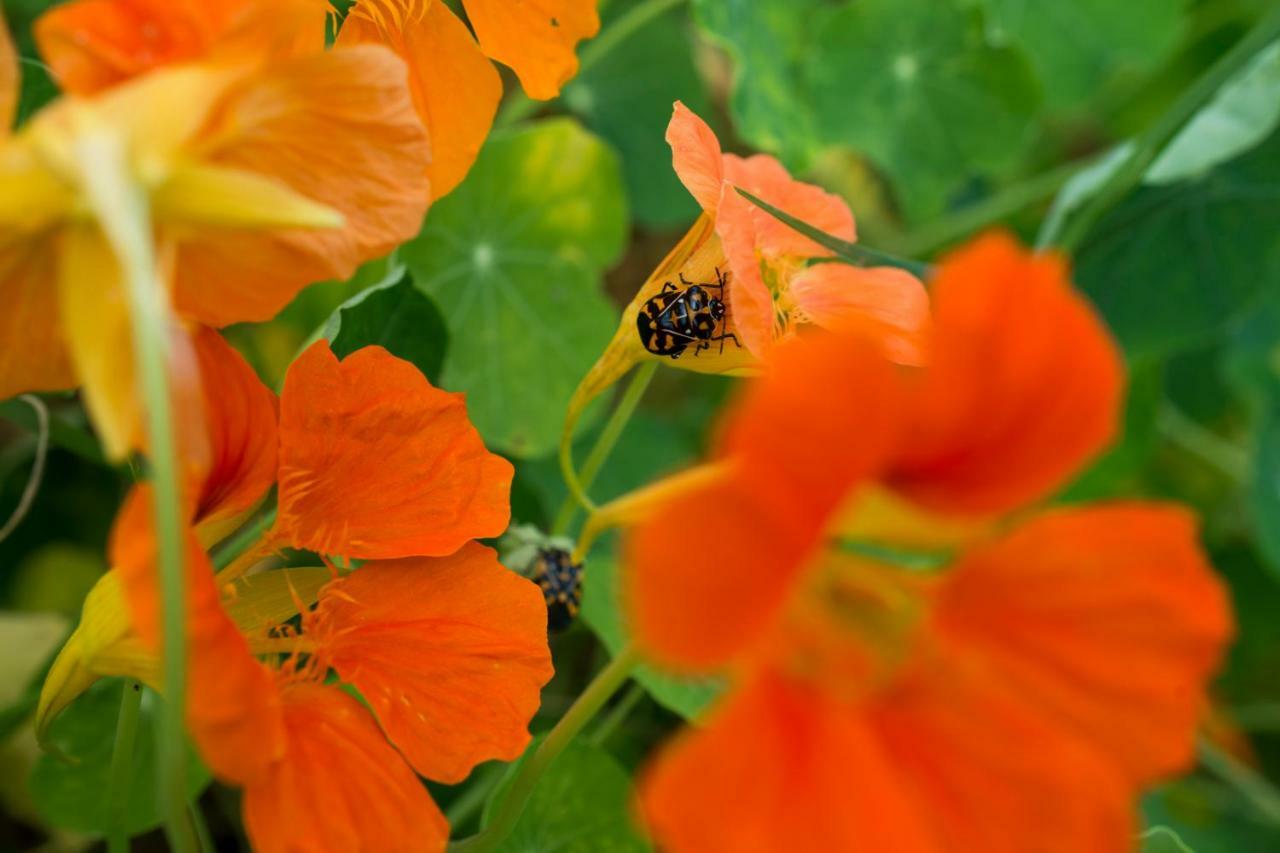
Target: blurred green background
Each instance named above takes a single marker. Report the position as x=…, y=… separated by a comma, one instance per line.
x=934, y=119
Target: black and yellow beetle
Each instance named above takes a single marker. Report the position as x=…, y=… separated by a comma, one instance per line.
x=560, y=580
x=677, y=318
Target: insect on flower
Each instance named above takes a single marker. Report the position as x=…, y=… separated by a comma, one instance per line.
x=560, y=580
x=678, y=318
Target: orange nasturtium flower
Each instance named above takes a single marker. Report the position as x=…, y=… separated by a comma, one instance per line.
x=256, y=177
x=759, y=271
x=447, y=648
x=1016, y=694
x=92, y=44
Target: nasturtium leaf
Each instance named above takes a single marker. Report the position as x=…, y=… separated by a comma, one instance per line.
x=915, y=85
x=602, y=611
x=626, y=97
x=1241, y=115
x=770, y=42
x=514, y=258
x=1163, y=839
x=1077, y=47
x=398, y=317
x=1172, y=265
x=581, y=804
x=29, y=641
x=77, y=796
x=1114, y=472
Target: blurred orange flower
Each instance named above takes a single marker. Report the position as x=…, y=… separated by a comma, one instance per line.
x=224, y=164
x=756, y=283
x=92, y=44
x=447, y=648
x=1018, y=699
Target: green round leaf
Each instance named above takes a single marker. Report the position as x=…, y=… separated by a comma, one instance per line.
x=915, y=86
x=75, y=796
x=581, y=804
x=398, y=317
x=514, y=259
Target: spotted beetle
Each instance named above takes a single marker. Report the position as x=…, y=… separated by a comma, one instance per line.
x=560, y=580
x=677, y=318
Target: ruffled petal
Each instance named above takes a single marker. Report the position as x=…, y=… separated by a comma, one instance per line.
x=696, y=157
x=375, y=463
x=890, y=305
x=233, y=705
x=1024, y=387
x=534, y=38
x=240, y=418
x=766, y=179
x=779, y=766
x=1108, y=620
x=451, y=654
x=751, y=303
x=95, y=44
x=455, y=88
x=792, y=467
x=339, y=786
x=33, y=356
x=370, y=168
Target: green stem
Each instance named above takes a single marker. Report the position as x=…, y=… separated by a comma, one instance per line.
x=617, y=714
x=121, y=210
x=1149, y=144
x=1253, y=787
x=244, y=539
x=579, y=482
x=1210, y=448
x=121, y=772
x=520, y=106
x=1005, y=202
x=579, y=714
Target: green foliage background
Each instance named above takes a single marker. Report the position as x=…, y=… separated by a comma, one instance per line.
x=934, y=118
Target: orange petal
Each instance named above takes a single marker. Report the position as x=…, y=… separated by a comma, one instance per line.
x=10, y=79
x=1024, y=386
x=375, y=463
x=1108, y=620
x=889, y=304
x=340, y=786
x=535, y=38
x=695, y=155
x=93, y=44
x=240, y=416
x=450, y=653
x=750, y=300
x=757, y=528
x=233, y=706
x=766, y=179
x=370, y=168
x=780, y=767
x=32, y=354
x=455, y=88
x=750, y=546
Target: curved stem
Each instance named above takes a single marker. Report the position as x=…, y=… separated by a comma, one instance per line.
x=1151, y=143
x=606, y=682
x=121, y=210
x=520, y=106
x=37, y=466
x=578, y=483
x=1253, y=787
x=121, y=772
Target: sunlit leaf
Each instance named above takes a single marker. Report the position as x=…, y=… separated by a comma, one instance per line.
x=76, y=796
x=1077, y=47
x=398, y=317
x=581, y=804
x=1172, y=265
x=915, y=85
x=1244, y=112
x=514, y=259
x=626, y=97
